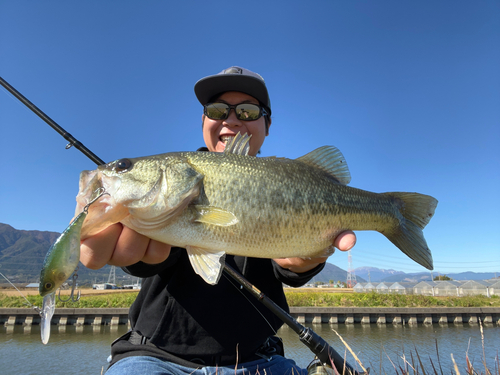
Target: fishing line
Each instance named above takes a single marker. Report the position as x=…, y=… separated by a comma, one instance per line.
x=36, y=308
x=4, y=90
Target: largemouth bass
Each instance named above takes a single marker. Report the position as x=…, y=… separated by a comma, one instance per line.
x=263, y=207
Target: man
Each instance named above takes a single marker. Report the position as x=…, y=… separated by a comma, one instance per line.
x=179, y=322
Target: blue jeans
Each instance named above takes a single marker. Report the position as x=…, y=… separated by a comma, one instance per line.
x=139, y=365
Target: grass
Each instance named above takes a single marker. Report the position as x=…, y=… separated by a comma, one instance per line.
x=294, y=298
x=324, y=299
x=115, y=300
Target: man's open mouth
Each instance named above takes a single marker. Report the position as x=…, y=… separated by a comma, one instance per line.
x=226, y=138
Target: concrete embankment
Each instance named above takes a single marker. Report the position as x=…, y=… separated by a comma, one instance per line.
x=315, y=315
x=62, y=316
x=389, y=315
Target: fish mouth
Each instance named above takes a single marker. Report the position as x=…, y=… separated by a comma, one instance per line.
x=104, y=211
x=91, y=185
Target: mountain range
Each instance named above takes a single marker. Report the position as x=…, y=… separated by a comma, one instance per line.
x=379, y=275
x=22, y=253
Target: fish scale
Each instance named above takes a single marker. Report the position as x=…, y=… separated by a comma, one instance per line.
x=217, y=203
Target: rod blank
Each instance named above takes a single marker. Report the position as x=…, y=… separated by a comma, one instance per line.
x=72, y=140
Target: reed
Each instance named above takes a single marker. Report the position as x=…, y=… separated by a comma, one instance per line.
x=415, y=364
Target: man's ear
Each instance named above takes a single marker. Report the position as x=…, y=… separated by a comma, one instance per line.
x=268, y=126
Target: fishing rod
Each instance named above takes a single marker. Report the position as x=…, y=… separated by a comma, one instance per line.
x=323, y=351
x=72, y=140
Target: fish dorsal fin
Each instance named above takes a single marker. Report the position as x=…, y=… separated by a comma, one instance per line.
x=330, y=160
x=239, y=145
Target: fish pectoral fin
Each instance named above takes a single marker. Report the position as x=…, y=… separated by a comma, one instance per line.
x=330, y=160
x=206, y=264
x=215, y=216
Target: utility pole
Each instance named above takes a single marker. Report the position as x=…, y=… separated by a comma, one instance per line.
x=351, y=277
x=112, y=275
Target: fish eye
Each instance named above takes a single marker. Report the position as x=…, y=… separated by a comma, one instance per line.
x=48, y=285
x=123, y=165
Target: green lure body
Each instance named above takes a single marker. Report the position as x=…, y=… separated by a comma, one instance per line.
x=62, y=258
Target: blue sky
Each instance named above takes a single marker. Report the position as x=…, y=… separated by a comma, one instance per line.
x=408, y=91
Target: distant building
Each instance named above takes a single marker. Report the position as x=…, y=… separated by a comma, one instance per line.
x=473, y=287
x=442, y=288
x=359, y=288
x=447, y=288
x=425, y=288
x=104, y=286
x=369, y=287
x=401, y=288
x=382, y=288
x=494, y=288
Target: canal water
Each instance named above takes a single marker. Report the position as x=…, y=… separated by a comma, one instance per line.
x=84, y=349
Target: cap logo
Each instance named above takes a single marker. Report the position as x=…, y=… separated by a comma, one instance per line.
x=233, y=70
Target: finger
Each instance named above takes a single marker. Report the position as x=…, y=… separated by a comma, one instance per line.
x=156, y=252
x=130, y=248
x=96, y=251
x=345, y=241
x=299, y=265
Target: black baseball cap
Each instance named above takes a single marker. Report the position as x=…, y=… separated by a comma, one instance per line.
x=233, y=79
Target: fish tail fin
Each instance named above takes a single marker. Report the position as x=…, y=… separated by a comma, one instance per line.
x=417, y=210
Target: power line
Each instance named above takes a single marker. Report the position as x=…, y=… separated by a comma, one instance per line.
x=400, y=260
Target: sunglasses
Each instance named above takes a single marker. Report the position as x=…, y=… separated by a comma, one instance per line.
x=244, y=111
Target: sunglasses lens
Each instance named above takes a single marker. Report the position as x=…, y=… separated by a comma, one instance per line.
x=244, y=111
x=248, y=112
x=217, y=111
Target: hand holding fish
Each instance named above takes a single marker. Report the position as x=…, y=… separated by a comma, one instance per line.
x=345, y=241
x=121, y=246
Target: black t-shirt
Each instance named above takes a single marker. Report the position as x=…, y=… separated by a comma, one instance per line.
x=189, y=322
